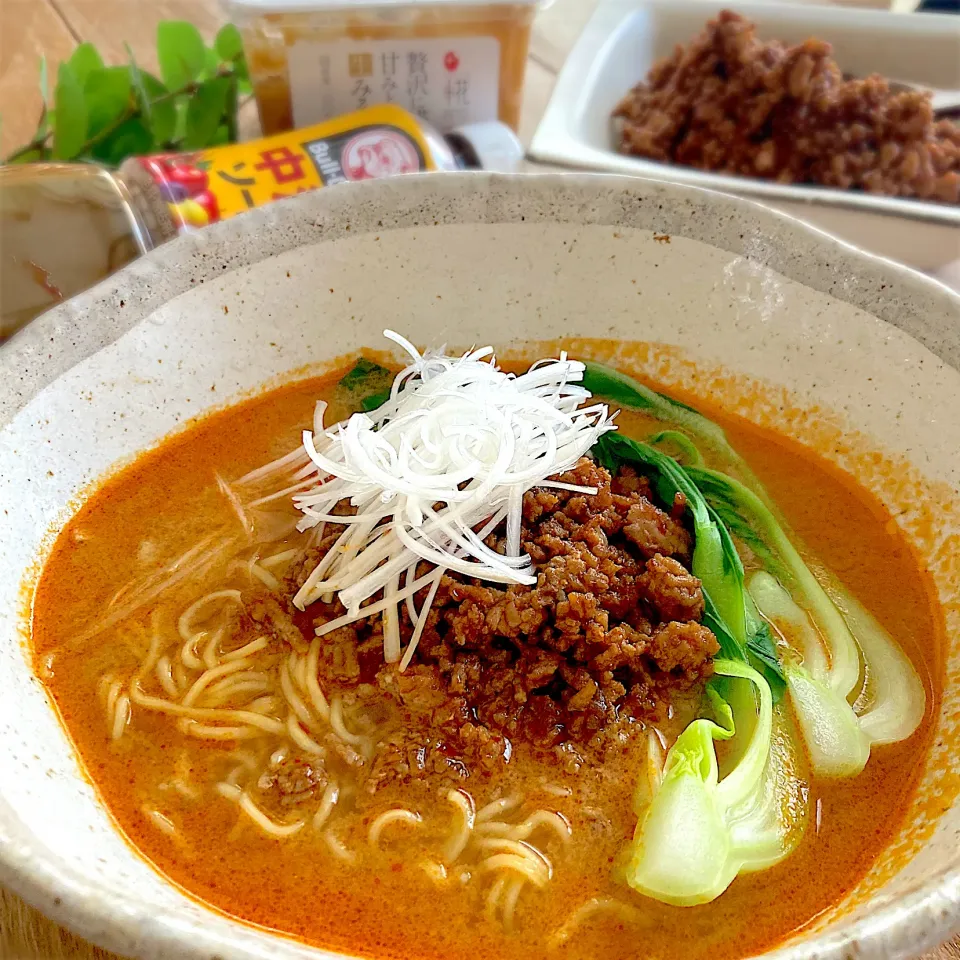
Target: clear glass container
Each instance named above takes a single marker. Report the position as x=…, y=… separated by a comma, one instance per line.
x=63, y=227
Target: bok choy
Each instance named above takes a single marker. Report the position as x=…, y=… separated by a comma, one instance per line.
x=366, y=386
x=836, y=745
x=606, y=382
x=700, y=829
x=750, y=519
x=729, y=610
x=779, y=628
x=824, y=673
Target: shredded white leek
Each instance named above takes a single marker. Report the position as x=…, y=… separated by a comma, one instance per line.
x=432, y=472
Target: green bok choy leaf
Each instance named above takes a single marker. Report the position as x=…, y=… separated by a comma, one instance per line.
x=752, y=521
x=366, y=385
x=829, y=636
x=626, y=392
x=728, y=609
x=719, y=571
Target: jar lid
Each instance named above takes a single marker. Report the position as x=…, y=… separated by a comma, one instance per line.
x=322, y=6
x=495, y=146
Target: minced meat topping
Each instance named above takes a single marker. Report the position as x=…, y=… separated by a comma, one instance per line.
x=610, y=630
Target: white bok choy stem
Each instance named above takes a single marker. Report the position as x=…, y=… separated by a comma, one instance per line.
x=839, y=735
x=432, y=472
x=891, y=705
x=839, y=655
x=835, y=742
x=893, y=701
x=700, y=829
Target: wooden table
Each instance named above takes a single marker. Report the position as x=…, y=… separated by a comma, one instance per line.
x=31, y=28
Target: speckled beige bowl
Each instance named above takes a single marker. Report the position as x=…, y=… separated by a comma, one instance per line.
x=465, y=259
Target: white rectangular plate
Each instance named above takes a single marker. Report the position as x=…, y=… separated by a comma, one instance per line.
x=625, y=37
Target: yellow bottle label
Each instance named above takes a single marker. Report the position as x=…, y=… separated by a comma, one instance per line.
x=215, y=184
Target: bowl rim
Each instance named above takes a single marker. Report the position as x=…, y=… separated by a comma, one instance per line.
x=47, y=348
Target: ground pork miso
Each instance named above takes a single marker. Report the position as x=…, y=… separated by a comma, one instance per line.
x=608, y=634
x=730, y=102
x=479, y=802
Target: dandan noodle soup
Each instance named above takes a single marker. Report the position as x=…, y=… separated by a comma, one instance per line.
x=503, y=785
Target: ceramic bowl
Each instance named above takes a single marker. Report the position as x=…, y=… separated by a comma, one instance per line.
x=728, y=292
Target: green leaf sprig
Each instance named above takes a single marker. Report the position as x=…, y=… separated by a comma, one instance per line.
x=109, y=113
x=366, y=385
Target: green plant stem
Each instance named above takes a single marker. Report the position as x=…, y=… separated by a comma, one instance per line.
x=37, y=144
x=231, y=112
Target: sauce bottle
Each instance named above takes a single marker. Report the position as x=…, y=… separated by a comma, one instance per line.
x=383, y=141
x=66, y=226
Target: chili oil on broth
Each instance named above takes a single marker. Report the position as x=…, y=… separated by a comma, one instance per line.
x=385, y=900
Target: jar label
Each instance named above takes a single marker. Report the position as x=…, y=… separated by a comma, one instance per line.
x=448, y=81
x=215, y=184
